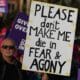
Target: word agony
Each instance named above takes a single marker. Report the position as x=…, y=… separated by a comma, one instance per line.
x=47, y=65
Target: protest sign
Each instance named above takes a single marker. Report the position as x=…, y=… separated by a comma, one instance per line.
x=50, y=38
x=3, y=6
x=18, y=31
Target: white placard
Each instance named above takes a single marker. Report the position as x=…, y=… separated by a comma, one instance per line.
x=50, y=38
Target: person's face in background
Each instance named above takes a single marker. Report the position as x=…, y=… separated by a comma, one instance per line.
x=7, y=48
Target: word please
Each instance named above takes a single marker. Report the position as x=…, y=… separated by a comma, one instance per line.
x=52, y=12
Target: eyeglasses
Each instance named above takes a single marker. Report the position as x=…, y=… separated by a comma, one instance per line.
x=8, y=47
